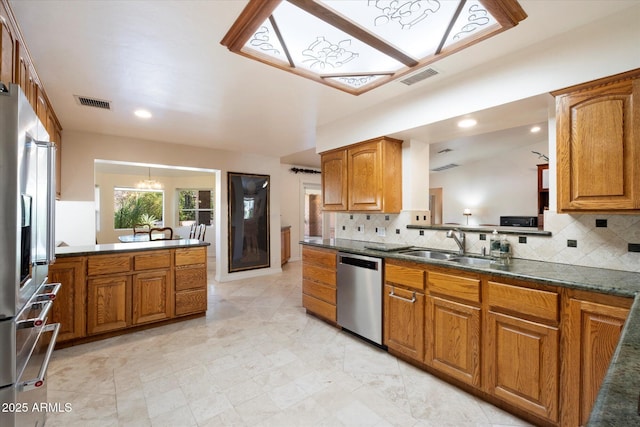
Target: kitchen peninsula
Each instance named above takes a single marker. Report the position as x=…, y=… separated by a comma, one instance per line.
x=110, y=289
x=553, y=343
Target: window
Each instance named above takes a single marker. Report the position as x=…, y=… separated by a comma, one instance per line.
x=195, y=206
x=133, y=206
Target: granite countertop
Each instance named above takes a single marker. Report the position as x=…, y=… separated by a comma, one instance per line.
x=617, y=402
x=109, y=248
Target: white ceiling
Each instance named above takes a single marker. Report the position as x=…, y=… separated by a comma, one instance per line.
x=166, y=56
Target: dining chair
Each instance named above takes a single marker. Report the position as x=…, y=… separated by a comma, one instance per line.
x=165, y=233
x=192, y=231
x=200, y=231
x=141, y=229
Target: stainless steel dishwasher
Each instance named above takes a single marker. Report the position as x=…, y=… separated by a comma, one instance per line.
x=359, y=300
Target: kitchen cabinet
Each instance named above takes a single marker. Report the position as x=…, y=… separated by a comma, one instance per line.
x=285, y=245
x=453, y=325
x=593, y=324
x=598, y=145
x=151, y=297
x=108, y=303
x=190, y=280
x=543, y=193
x=333, y=166
x=521, y=347
x=319, y=270
x=70, y=307
x=404, y=299
x=7, y=46
x=364, y=177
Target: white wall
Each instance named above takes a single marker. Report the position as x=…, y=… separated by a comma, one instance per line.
x=292, y=202
x=82, y=148
x=500, y=186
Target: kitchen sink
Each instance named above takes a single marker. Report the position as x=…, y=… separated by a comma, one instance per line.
x=428, y=254
x=466, y=260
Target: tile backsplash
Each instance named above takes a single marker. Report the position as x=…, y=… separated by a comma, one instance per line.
x=575, y=239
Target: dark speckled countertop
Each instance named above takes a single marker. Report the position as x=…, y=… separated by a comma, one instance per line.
x=110, y=248
x=617, y=402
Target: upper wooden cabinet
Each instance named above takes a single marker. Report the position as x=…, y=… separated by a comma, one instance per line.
x=334, y=180
x=364, y=177
x=7, y=46
x=598, y=145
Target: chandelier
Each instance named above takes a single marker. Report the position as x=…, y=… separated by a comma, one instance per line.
x=149, y=184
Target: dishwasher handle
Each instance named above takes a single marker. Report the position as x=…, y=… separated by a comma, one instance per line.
x=359, y=262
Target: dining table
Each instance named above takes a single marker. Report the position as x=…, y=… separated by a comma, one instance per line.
x=141, y=237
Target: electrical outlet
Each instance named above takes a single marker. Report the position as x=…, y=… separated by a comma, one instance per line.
x=360, y=228
x=420, y=217
x=381, y=231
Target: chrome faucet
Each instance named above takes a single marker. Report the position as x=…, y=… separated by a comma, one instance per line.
x=459, y=240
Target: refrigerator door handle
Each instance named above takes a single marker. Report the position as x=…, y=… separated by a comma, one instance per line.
x=39, y=381
x=36, y=321
x=51, y=200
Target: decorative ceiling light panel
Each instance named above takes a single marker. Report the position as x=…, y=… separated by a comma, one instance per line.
x=357, y=45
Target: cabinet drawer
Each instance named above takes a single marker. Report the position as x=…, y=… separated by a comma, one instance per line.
x=187, y=256
x=319, y=257
x=406, y=276
x=192, y=301
x=152, y=260
x=191, y=278
x=455, y=286
x=108, y=264
x=318, y=274
x=318, y=290
x=524, y=301
x=319, y=307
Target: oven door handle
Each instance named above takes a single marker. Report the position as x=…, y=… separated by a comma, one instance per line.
x=39, y=381
x=36, y=321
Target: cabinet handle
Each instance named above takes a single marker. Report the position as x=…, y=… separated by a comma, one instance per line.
x=412, y=300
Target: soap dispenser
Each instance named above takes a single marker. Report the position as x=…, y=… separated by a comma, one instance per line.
x=494, y=245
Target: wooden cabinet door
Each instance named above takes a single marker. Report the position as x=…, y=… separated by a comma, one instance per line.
x=69, y=307
x=364, y=166
x=522, y=363
x=285, y=245
x=453, y=339
x=152, y=296
x=404, y=321
x=108, y=303
x=592, y=334
x=334, y=180
x=7, y=43
x=598, y=147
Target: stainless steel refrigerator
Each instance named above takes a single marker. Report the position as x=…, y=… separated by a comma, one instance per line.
x=27, y=196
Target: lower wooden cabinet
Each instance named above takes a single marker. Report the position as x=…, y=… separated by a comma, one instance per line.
x=108, y=303
x=522, y=364
x=104, y=293
x=190, y=281
x=319, y=270
x=151, y=297
x=403, y=317
x=69, y=308
x=404, y=321
x=285, y=245
x=453, y=326
x=592, y=331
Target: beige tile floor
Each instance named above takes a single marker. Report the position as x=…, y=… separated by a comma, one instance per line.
x=256, y=359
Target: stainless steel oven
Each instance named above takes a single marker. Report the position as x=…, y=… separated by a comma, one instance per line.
x=27, y=194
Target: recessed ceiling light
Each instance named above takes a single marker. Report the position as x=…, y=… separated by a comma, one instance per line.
x=143, y=114
x=467, y=123
x=535, y=129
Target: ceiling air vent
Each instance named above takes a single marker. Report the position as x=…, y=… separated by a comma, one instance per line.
x=418, y=77
x=445, y=167
x=93, y=102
